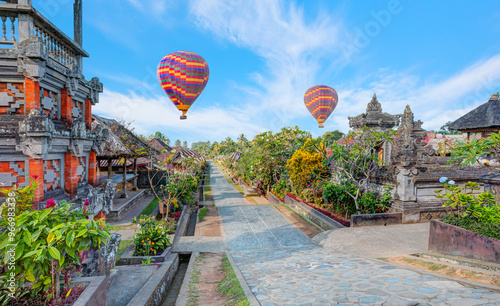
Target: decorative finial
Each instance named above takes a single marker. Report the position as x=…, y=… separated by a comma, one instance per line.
x=494, y=96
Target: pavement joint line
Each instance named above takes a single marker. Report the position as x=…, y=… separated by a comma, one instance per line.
x=257, y=213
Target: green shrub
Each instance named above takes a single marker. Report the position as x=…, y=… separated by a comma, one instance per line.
x=479, y=213
x=152, y=236
x=47, y=243
x=280, y=188
x=486, y=229
x=307, y=195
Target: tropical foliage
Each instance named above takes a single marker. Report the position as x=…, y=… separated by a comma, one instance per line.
x=47, y=242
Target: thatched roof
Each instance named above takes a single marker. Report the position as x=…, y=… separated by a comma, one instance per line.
x=182, y=153
x=121, y=141
x=485, y=116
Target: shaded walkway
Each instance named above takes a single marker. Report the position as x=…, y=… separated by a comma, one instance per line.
x=282, y=266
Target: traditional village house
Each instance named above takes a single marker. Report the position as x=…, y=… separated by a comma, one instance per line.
x=481, y=121
x=45, y=104
x=121, y=151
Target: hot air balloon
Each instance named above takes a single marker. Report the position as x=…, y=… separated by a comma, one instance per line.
x=321, y=100
x=183, y=76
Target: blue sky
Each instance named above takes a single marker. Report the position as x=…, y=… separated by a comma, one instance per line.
x=440, y=57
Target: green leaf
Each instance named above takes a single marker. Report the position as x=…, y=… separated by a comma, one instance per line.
x=19, y=250
x=50, y=238
x=27, y=237
x=29, y=254
x=54, y=253
x=30, y=277
x=61, y=262
x=57, y=227
x=70, y=238
x=45, y=213
x=81, y=233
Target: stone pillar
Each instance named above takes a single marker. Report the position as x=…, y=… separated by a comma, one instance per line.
x=70, y=174
x=93, y=178
x=88, y=114
x=78, y=30
x=31, y=95
x=110, y=168
x=36, y=168
x=405, y=197
x=124, y=194
x=135, y=174
x=66, y=108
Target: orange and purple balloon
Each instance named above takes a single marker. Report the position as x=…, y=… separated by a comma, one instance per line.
x=321, y=100
x=183, y=75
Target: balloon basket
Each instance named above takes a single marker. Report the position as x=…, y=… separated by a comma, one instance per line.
x=321, y=126
x=183, y=117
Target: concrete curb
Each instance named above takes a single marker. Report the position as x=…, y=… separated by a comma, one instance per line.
x=182, y=226
x=156, y=288
x=183, y=292
x=251, y=298
x=94, y=293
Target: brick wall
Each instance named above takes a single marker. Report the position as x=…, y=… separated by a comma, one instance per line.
x=70, y=174
x=11, y=98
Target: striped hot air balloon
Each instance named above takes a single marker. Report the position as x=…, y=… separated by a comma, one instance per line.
x=321, y=100
x=183, y=75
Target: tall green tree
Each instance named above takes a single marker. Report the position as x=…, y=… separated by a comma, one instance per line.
x=332, y=136
x=185, y=144
x=177, y=143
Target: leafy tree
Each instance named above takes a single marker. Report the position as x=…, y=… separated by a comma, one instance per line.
x=177, y=143
x=201, y=147
x=185, y=144
x=471, y=151
x=160, y=136
x=305, y=164
x=332, y=136
x=354, y=162
x=265, y=158
x=445, y=130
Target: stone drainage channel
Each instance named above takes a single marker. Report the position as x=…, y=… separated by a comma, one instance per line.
x=184, y=257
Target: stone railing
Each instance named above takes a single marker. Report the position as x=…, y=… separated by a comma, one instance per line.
x=21, y=21
x=56, y=48
x=9, y=33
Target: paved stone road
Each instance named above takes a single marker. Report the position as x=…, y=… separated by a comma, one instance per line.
x=282, y=267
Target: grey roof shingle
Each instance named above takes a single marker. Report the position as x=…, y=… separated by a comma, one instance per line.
x=486, y=115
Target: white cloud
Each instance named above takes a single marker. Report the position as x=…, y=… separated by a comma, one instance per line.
x=158, y=113
x=433, y=103
x=277, y=32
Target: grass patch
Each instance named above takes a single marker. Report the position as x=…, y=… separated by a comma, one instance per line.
x=194, y=278
x=121, y=227
x=202, y=213
x=302, y=217
x=151, y=207
x=121, y=248
x=238, y=187
x=383, y=259
x=229, y=287
x=429, y=265
x=207, y=192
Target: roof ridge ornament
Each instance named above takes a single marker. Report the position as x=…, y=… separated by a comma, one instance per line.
x=374, y=105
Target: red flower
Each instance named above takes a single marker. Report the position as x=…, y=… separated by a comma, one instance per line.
x=35, y=176
x=50, y=203
x=86, y=203
x=87, y=217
